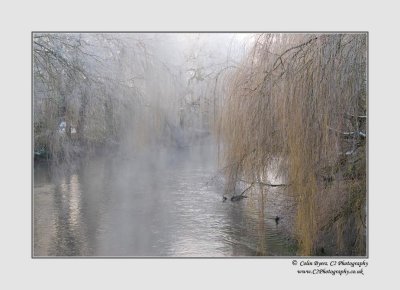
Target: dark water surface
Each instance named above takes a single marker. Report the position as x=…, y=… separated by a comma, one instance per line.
x=158, y=204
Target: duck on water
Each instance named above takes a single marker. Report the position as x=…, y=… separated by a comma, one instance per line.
x=240, y=197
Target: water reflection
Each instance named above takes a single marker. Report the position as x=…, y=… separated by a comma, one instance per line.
x=156, y=204
x=70, y=237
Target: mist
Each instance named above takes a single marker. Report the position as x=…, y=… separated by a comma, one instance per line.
x=131, y=91
x=199, y=144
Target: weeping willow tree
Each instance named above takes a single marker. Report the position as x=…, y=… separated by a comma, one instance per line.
x=298, y=103
x=103, y=90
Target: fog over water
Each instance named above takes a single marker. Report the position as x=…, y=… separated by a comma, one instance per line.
x=199, y=144
x=159, y=203
x=127, y=161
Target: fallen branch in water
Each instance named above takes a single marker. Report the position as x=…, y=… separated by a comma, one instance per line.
x=238, y=197
x=241, y=196
x=266, y=184
x=273, y=185
x=246, y=189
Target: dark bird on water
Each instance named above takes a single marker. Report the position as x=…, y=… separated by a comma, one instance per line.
x=277, y=219
x=224, y=198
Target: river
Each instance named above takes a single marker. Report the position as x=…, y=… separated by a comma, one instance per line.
x=157, y=204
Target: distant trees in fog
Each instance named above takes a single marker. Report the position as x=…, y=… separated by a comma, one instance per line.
x=129, y=90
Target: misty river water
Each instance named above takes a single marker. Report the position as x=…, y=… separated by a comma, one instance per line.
x=156, y=204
